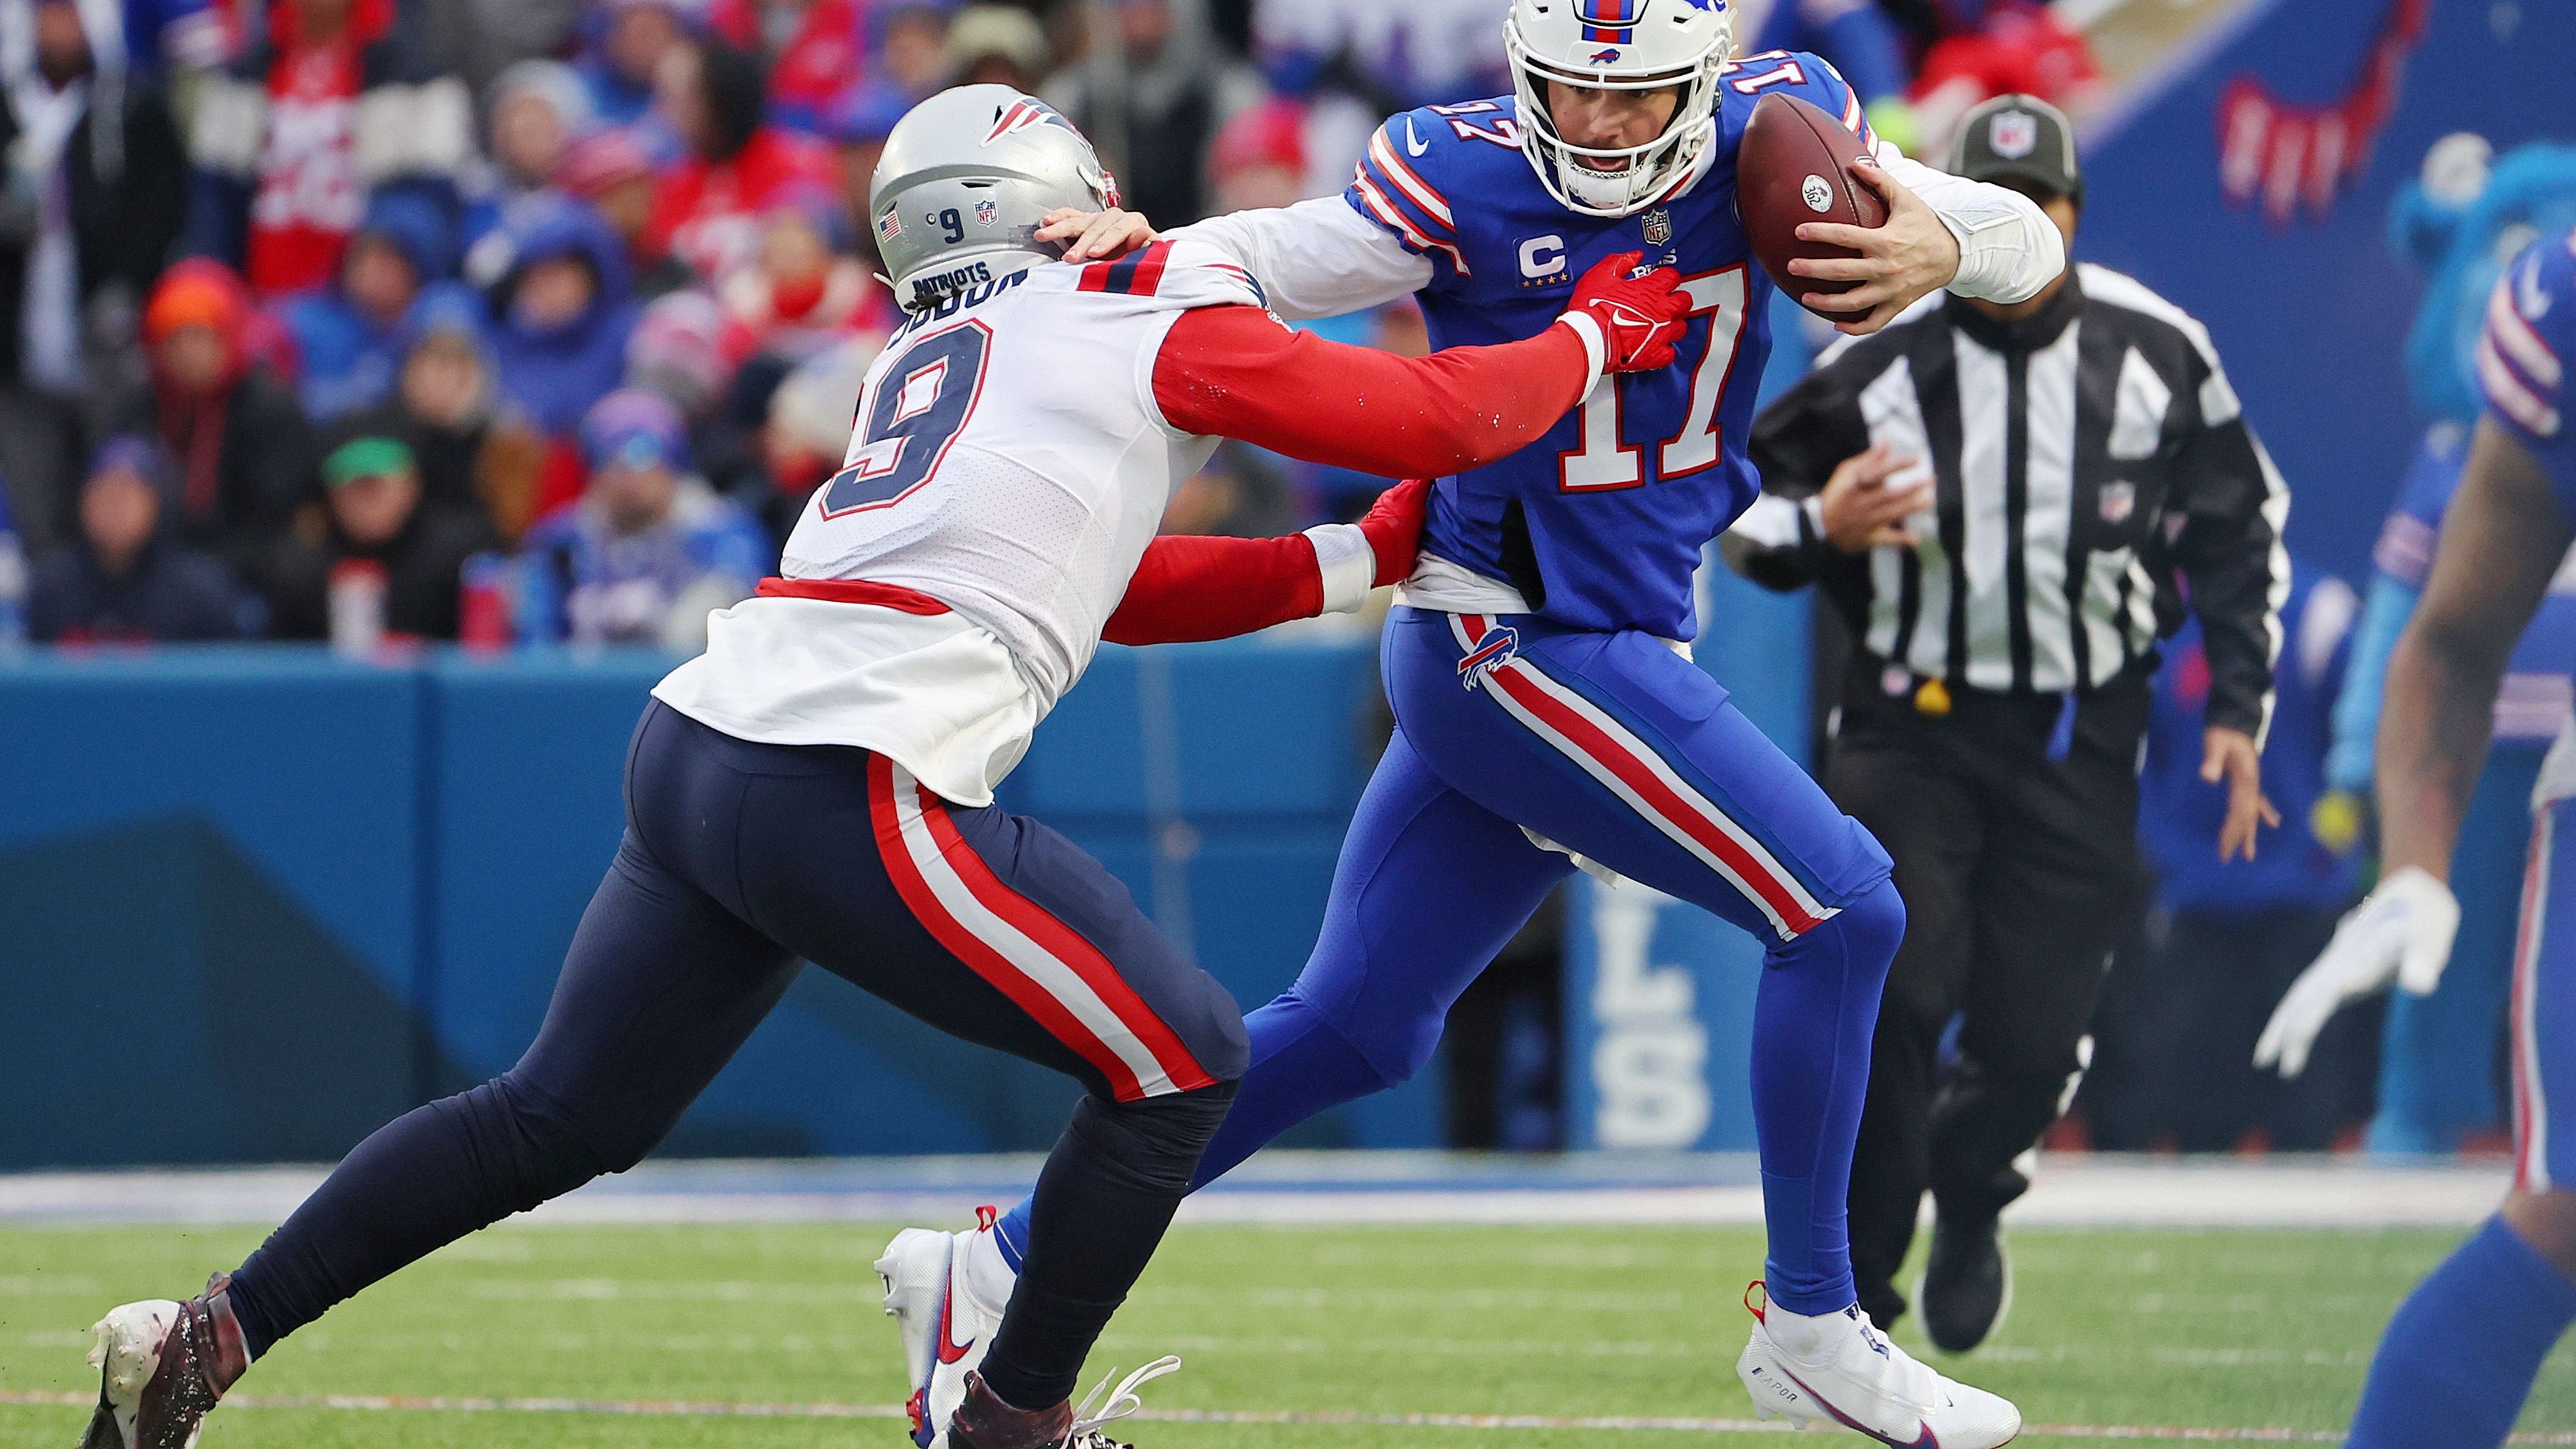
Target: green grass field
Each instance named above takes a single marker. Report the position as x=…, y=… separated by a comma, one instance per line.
x=2223, y=1330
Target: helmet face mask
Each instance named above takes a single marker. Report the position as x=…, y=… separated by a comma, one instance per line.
x=967, y=178
x=1617, y=45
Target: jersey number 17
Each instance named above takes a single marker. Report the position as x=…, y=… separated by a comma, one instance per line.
x=1599, y=461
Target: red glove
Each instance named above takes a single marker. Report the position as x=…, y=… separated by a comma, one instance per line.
x=1393, y=525
x=1630, y=323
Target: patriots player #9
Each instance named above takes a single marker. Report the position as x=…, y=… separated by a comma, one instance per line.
x=1545, y=707
x=819, y=783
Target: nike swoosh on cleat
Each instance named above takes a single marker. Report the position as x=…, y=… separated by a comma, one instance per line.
x=1922, y=1439
x=950, y=1351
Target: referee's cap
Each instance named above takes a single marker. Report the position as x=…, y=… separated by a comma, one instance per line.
x=2018, y=138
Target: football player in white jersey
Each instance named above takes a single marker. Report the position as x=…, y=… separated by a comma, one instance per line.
x=818, y=785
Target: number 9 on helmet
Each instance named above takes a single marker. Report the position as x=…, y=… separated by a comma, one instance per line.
x=967, y=177
x=1621, y=45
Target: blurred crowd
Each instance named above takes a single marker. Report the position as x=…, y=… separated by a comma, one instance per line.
x=519, y=320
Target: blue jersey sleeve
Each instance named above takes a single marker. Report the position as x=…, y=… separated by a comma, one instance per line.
x=2530, y=330
x=1744, y=81
x=1399, y=181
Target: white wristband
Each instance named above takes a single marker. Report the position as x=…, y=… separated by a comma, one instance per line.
x=1596, y=347
x=1349, y=565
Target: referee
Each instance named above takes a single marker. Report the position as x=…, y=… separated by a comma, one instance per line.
x=2008, y=506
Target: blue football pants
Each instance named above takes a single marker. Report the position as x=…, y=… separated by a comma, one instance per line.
x=1614, y=746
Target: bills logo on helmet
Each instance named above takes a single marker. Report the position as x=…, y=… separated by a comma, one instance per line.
x=1021, y=114
x=1604, y=57
x=2013, y=134
x=986, y=213
x=1608, y=22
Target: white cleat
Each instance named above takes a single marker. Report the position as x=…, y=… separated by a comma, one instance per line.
x=1846, y=1374
x=946, y=1325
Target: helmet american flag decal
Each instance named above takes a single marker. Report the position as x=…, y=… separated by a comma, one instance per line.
x=1609, y=22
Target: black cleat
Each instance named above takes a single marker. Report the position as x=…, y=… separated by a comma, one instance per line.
x=1967, y=1284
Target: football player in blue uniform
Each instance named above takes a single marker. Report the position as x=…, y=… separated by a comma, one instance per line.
x=1546, y=706
x=2459, y=1356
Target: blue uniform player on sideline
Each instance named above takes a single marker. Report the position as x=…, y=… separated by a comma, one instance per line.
x=1544, y=701
x=2459, y=1356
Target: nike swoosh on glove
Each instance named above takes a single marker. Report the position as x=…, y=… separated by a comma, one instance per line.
x=1629, y=323
x=2401, y=930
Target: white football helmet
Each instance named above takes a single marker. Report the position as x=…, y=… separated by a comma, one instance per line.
x=1628, y=45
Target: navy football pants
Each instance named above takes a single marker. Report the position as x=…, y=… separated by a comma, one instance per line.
x=1616, y=747
x=738, y=860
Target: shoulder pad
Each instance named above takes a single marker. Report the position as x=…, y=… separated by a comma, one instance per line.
x=1177, y=273
x=1413, y=166
x=1745, y=80
x=2530, y=332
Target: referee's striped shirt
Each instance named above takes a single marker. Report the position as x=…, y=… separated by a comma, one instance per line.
x=2082, y=457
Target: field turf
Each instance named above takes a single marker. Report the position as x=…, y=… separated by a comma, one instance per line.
x=2237, y=1331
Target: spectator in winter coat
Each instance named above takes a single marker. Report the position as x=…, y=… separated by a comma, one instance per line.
x=347, y=336
x=242, y=445
x=1178, y=88
x=291, y=138
x=678, y=351
x=650, y=549
x=534, y=112
x=561, y=311
x=997, y=45
x=610, y=172
x=472, y=454
x=634, y=38
x=736, y=169
x=374, y=514
x=92, y=206
x=124, y=576
x=909, y=39
x=826, y=45
x=798, y=296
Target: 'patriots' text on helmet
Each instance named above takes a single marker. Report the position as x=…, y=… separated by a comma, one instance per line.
x=1629, y=45
x=967, y=177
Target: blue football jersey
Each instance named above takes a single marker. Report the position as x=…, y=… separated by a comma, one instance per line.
x=1600, y=523
x=2530, y=331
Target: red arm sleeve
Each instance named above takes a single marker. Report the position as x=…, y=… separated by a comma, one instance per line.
x=1189, y=588
x=1235, y=372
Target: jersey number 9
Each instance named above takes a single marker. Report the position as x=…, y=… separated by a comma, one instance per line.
x=918, y=406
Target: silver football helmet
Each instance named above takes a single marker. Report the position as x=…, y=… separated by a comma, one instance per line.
x=965, y=179
x=1624, y=45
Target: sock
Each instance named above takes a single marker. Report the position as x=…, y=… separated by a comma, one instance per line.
x=1809, y=1336
x=415, y=1185
x=2460, y=1354
x=1109, y=1189
x=1813, y=1016
x=1301, y=1065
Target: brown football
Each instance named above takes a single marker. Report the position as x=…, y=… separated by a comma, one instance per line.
x=1795, y=166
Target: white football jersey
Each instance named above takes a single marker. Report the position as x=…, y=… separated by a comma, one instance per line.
x=1009, y=461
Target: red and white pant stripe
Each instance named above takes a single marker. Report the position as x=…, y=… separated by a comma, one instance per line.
x=1043, y=965
x=2530, y=1099
x=1632, y=769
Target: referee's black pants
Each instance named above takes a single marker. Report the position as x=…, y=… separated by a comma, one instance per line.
x=2012, y=820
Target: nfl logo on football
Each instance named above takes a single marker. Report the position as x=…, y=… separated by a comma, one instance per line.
x=2013, y=134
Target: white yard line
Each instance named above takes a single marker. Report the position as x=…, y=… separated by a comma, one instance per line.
x=1327, y=1188
x=682, y=1409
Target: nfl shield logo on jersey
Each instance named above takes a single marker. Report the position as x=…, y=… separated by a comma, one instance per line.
x=2013, y=134
x=1659, y=227
x=2119, y=500
x=985, y=212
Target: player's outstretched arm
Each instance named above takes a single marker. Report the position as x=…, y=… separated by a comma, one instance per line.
x=1236, y=372
x=2501, y=541
x=1188, y=588
x=1317, y=258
